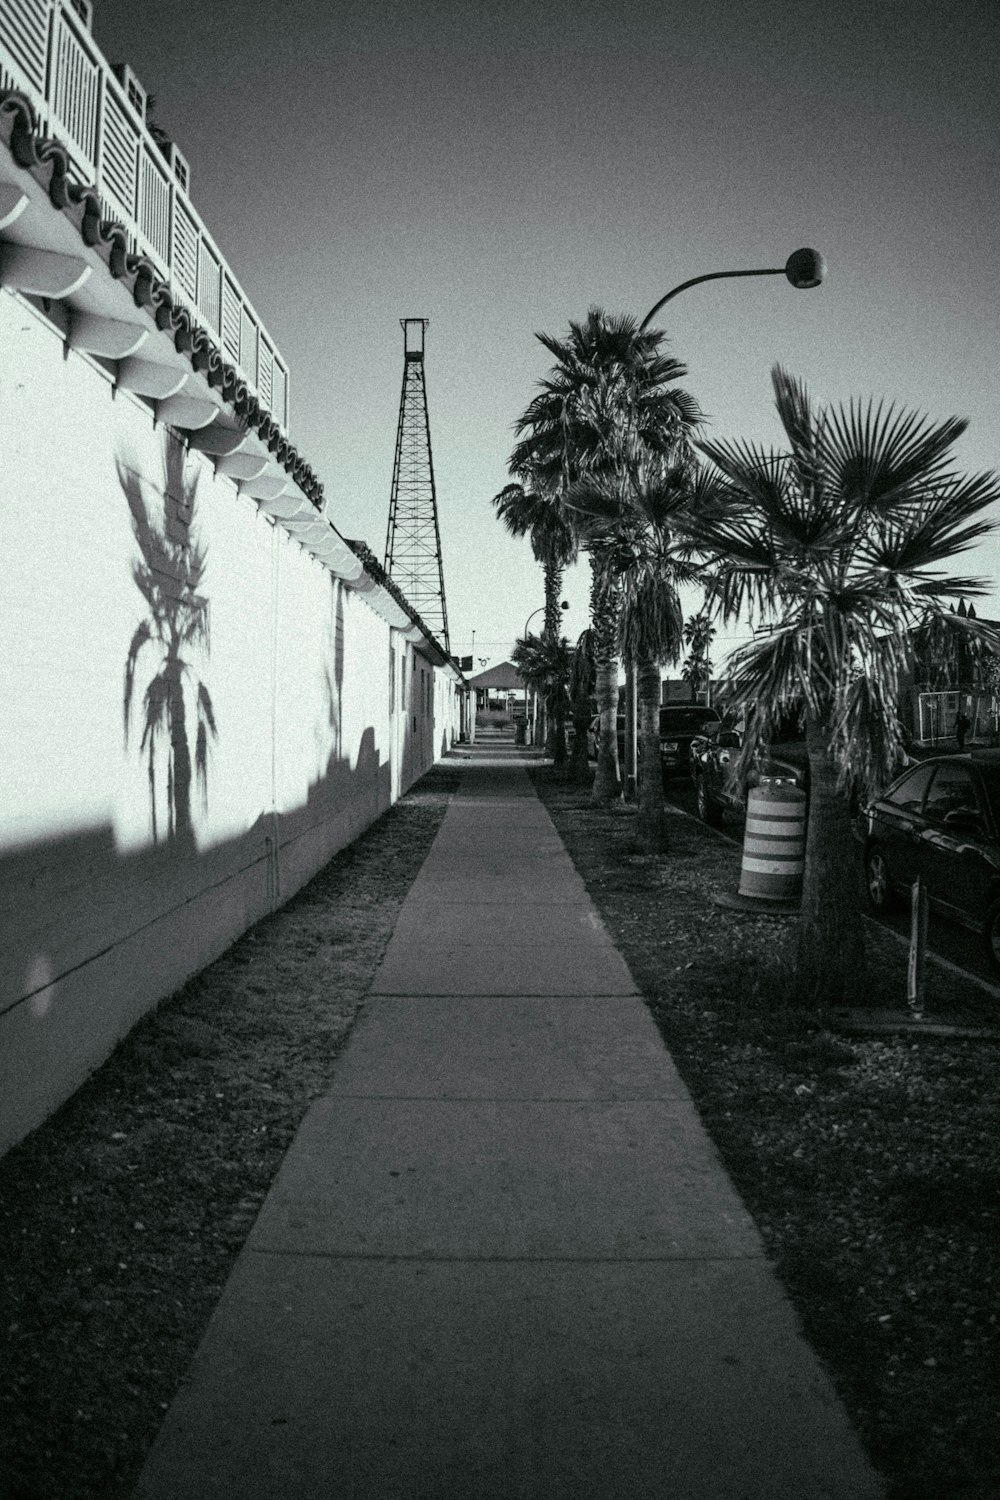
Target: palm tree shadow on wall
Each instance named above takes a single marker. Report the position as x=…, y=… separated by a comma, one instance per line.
x=167, y=646
x=334, y=681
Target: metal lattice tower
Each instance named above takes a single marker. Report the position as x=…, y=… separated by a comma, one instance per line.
x=413, y=539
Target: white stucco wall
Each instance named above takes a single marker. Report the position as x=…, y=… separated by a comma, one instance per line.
x=128, y=863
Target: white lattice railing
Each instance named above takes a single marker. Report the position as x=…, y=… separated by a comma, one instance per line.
x=98, y=115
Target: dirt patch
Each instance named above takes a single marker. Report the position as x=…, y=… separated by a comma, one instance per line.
x=869, y=1163
x=121, y=1217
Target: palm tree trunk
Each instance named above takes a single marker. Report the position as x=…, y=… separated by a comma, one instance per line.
x=559, y=756
x=651, y=820
x=552, y=572
x=829, y=967
x=629, y=771
x=605, y=603
x=545, y=727
x=579, y=765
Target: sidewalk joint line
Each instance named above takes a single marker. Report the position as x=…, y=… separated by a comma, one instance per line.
x=504, y=995
x=751, y=1257
x=509, y=1098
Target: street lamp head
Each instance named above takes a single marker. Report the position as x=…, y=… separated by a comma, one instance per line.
x=805, y=269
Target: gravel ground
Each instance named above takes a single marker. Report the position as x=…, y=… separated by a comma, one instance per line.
x=121, y=1217
x=869, y=1163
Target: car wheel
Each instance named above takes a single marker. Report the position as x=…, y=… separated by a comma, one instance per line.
x=991, y=932
x=708, y=812
x=877, y=882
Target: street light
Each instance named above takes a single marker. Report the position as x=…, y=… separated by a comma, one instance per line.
x=804, y=269
x=563, y=605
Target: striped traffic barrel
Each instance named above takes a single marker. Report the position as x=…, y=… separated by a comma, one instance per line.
x=774, y=844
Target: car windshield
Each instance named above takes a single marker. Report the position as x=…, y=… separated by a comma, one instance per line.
x=951, y=791
x=682, y=719
x=991, y=786
x=908, y=792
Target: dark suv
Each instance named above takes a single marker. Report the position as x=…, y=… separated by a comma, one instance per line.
x=680, y=725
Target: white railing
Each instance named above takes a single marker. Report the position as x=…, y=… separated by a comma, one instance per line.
x=98, y=116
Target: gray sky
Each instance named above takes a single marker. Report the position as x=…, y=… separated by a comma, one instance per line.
x=498, y=170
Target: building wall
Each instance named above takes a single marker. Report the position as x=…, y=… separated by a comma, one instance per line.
x=196, y=715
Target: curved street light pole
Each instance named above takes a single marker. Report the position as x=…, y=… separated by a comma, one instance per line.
x=804, y=269
x=534, y=612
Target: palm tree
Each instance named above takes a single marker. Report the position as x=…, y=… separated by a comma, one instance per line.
x=545, y=666
x=174, y=630
x=606, y=409
x=699, y=633
x=836, y=545
x=538, y=513
x=648, y=548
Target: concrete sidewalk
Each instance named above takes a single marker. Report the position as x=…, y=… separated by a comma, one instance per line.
x=501, y=1258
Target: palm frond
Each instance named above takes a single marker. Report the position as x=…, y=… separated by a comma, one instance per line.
x=756, y=474
x=877, y=456
x=951, y=587
x=651, y=622
x=747, y=591
x=594, y=496
x=794, y=408
x=866, y=733
x=943, y=525
x=544, y=664
x=766, y=677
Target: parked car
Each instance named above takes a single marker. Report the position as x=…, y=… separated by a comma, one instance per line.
x=716, y=792
x=681, y=724
x=594, y=734
x=940, y=820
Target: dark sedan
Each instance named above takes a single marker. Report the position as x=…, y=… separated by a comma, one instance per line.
x=712, y=758
x=940, y=820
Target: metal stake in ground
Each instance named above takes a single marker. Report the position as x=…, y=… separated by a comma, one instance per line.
x=918, y=948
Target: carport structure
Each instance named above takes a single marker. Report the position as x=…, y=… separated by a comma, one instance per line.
x=500, y=681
